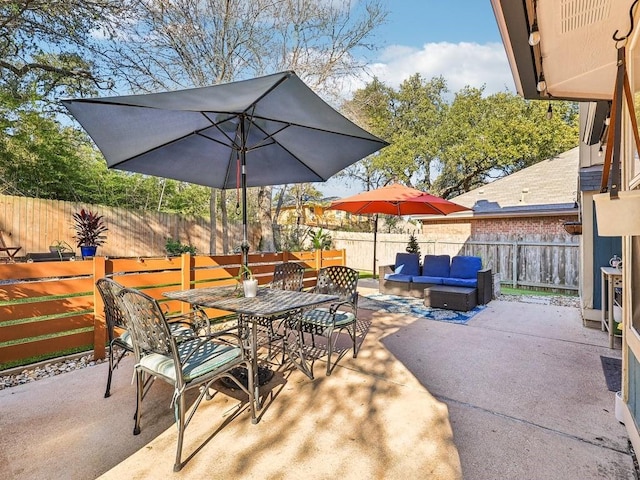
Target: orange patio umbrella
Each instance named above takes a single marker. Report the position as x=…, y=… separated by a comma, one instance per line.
x=395, y=199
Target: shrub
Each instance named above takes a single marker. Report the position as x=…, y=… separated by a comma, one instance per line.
x=412, y=246
x=174, y=247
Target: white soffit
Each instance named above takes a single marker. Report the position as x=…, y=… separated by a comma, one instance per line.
x=578, y=52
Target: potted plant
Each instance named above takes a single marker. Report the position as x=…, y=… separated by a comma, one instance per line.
x=90, y=229
x=249, y=283
x=320, y=240
x=62, y=248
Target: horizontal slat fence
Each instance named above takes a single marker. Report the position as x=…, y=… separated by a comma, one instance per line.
x=52, y=308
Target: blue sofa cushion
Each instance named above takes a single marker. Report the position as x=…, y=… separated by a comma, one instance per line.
x=436, y=266
x=465, y=267
x=398, y=277
x=407, y=264
x=461, y=282
x=427, y=279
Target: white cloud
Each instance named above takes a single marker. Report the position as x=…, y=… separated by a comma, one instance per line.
x=460, y=64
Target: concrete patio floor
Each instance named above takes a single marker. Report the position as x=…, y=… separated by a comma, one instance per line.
x=517, y=393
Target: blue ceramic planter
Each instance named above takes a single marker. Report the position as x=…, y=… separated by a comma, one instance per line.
x=88, y=251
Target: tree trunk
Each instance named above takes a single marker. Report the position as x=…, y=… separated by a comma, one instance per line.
x=277, y=231
x=264, y=220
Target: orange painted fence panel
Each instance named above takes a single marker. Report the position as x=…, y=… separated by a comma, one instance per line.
x=52, y=308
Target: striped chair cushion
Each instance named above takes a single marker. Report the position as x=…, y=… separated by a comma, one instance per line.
x=209, y=357
x=323, y=317
x=125, y=338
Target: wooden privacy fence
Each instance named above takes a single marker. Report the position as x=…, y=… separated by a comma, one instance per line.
x=35, y=224
x=51, y=308
x=545, y=263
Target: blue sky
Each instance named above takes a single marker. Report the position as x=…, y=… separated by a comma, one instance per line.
x=458, y=39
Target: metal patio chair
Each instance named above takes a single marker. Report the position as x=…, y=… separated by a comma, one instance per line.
x=11, y=251
x=286, y=276
x=340, y=315
x=182, y=325
x=192, y=363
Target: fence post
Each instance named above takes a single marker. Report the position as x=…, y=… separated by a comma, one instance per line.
x=344, y=260
x=318, y=259
x=514, y=266
x=185, y=278
x=99, y=323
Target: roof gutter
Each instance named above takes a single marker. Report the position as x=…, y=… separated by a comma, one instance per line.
x=489, y=215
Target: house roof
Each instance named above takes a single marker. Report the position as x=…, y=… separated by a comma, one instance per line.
x=546, y=188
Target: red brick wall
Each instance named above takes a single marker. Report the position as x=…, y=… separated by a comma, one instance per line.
x=515, y=227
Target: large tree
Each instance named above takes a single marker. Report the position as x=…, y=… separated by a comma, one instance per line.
x=451, y=146
x=42, y=57
x=185, y=43
x=408, y=119
x=482, y=138
x=47, y=49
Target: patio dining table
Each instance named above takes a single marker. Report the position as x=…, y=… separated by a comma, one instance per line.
x=268, y=303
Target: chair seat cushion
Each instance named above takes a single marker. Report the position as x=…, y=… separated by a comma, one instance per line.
x=323, y=317
x=125, y=339
x=428, y=279
x=461, y=282
x=209, y=357
x=398, y=277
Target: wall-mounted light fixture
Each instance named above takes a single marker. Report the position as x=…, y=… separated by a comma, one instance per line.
x=534, y=36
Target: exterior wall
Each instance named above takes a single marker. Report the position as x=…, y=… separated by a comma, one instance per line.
x=516, y=228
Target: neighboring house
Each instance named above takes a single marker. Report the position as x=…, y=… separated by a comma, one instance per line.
x=317, y=215
x=530, y=206
x=532, y=203
x=573, y=55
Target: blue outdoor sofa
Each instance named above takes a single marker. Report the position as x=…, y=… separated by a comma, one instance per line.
x=407, y=278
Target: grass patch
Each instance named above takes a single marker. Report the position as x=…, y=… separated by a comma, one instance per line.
x=39, y=358
x=541, y=293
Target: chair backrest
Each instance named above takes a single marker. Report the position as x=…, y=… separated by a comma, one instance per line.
x=114, y=312
x=338, y=280
x=288, y=276
x=436, y=266
x=465, y=266
x=407, y=264
x=147, y=324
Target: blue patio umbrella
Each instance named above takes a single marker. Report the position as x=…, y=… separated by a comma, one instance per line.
x=269, y=130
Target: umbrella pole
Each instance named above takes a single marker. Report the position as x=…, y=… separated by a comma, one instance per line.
x=243, y=186
x=375, y=242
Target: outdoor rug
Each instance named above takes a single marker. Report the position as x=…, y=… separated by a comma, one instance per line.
x=612, y=368
x=414, y=306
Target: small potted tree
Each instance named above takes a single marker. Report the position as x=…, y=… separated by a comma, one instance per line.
x=90, y=229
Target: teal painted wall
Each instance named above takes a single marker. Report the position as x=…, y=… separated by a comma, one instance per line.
x=634, y=386
x=603, y=249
